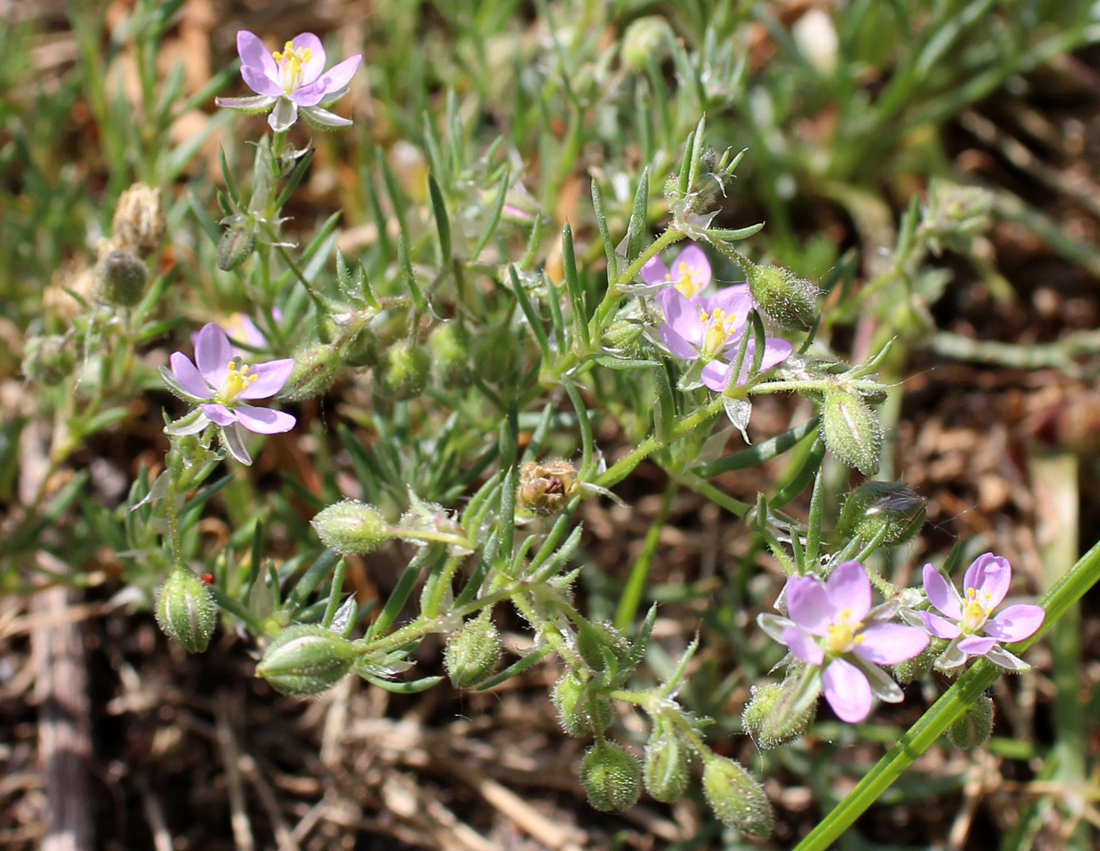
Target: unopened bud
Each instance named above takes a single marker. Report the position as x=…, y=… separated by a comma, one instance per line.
x=48, y=359
x=120, y=278
x=887, y=508
x=449, y=346
x=602, y=646
x=609, y=775
x=407, y=367
x=314, y=371
x=472, y=653
x=351, y=527
x=186, y=611
x=622, y=336
x=918, y=667
x=853, y=432
x=789, y=301
x=580, y=711
x=975, y=725
x=236, y=245
x=736, y=797
x=780, y=712
x=306, y=659
x=139, y=222
x=666, y=762
x=545, y=487
x=642, y=40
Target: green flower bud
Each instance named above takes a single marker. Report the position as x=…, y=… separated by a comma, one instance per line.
x=877, y=506
x=314, y=372
x=48, y=359
x=120, y=278
x=642, y=39
x=602, y=646
x=736, y=797
x=449, y=346
x=789, y=301
x=853, y=432
x=666, y=762
x=236, y=245
x=139, y=222
x=918, y=667
x=472, y=653
x=975, y=725
x=186, y=611
x=609, y=775
x=780, y=712
x=579, y=710
x=306, y=659
x=351, y=527
x=622, y=336
x=407, y=367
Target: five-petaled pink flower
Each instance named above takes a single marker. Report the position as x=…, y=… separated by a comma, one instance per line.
x=221, y=385
x=690, y=272
x=831, y=627
x=291, y=79
x=967, y=620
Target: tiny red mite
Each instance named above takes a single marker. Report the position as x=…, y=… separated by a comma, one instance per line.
x=207, y=578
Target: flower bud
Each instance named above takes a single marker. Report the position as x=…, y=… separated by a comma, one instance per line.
x=853, y=432
x=186, y=611
x=580, y=711
x=890, y=508
x=642, y=40
x=918, y=667
x=139, y=222
x=449, y=346
x=236, y=245
x=666, y=762
x=351, y=527
x=48, y=359
x=407, y=367
x=789, y=301
x=350, y=332
x=546, y=487
x=602, y=646
x=120, y=278
x=622, y=336
x=780, y=712
x=609, y=775
x=736, y=797
x=472, y=653
x=974, y=726
x=314, y=372
x=306, y=659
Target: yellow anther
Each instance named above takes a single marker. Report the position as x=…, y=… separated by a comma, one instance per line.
x=688, y=281
x=236, y=380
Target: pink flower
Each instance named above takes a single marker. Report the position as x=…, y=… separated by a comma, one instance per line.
x=690, y=271
x=967, y=620
x=832, y=627
x=291, y=79
x=221, y=385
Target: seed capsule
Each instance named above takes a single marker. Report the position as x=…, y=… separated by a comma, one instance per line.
x=306, y=659
x=609, y=775
x=186, y=611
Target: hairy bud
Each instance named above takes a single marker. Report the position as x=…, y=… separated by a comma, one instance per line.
x=918, y=667
x=853, y=432
x=306, y=659
x=780, y=712
x=622, y=336
x=580, y=711
x=666, y=762
x=120, y=278
x=642, y=40
x=545, y=487
x=48, y=359
x=139, y=222
x=602, y=646
x=790, y=301
x=407, y=368
x=975, y=725
x=472, y=653
x=351, y=527
x=889, y=508
x=609, y=775
x=236, y=245
x=186, y=611
x=736, y=797
x=314, y=371
x=449, y=346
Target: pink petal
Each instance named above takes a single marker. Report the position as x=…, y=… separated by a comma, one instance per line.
x=716, y=375
x=259, y=82
x=264, y=420
x=890, y=643
x=849, y=589
x=808, y=604
x=189, y=378
x=939, y=627
x=254, y=54
x=1016, y=622
x=680, y=347
x=219, y=414
x=654, y=271
x=270, y=378
x=213, y=354
x=847, y=690
x=340, y=74
x=940, y=593
x=803, y=646
x=316, y=64
x=691, y=264
x=681, y=315
x=988, y=574
x=733, y=301
x=775, y=352
x=976, y=645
